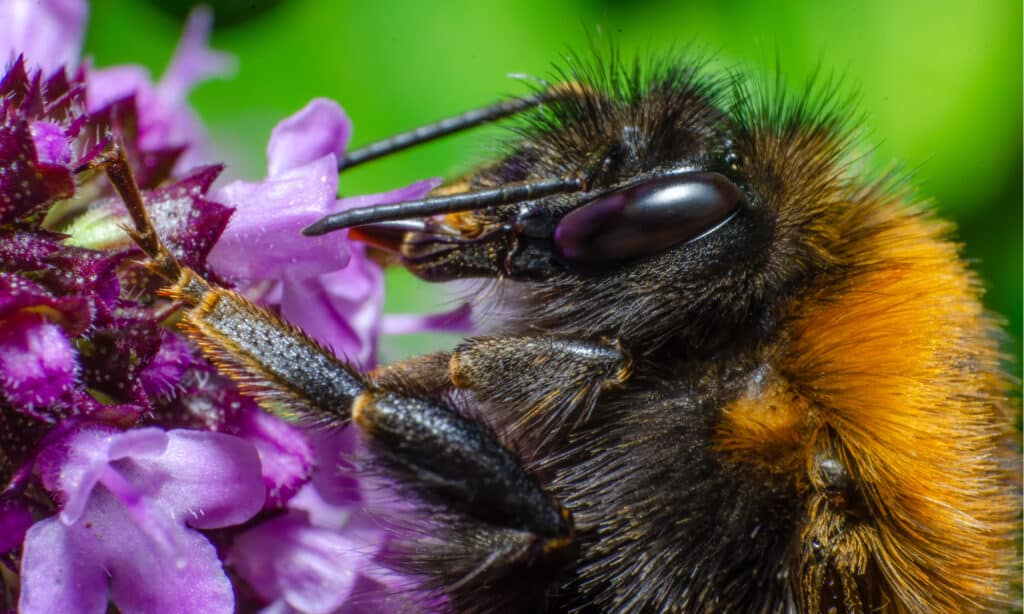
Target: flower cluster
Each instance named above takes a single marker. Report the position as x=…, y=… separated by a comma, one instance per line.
x=123, y=453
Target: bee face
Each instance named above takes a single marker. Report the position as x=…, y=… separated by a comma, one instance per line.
x=668, y=215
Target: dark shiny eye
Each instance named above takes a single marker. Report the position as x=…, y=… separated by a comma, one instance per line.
x=645, y=219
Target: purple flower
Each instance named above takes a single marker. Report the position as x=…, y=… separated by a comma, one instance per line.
x=73, y=344
x=326, y=286
x=37, y=362
x=312, y=567
x=95, y=507
x=131, y=503
x=51, y=142
x=320, y=554
x=38, y=366
x=28, y=182
x=298, y=191
x=165, y=121
x=286, y=456
x=286, y=453
x=48, y=32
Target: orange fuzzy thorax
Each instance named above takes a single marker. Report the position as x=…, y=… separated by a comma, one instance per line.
x=897, y=367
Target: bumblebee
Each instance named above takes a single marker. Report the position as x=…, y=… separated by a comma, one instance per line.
x=728, y=372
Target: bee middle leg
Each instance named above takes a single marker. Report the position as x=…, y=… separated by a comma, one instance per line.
x=540, y=384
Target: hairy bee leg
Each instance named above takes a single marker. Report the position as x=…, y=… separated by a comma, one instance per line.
x=566, y=375
x=288, y=372
x=499, y=522
x=502, y=519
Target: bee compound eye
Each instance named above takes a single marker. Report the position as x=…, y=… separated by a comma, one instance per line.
x=644, y=219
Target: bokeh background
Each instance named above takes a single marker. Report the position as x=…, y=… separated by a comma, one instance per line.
x=939, y=84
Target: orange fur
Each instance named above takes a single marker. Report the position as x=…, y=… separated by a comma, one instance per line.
x=769, y=424
x=903, y=364
x=899, y=364
x=889, y=359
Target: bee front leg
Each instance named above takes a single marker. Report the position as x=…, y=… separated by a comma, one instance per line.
x=487, y=522
x=541, y=384
x=484, y=520
x=486, y=528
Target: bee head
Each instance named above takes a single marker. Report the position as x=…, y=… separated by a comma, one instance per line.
x=641, y=203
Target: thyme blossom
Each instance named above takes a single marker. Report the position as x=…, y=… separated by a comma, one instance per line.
x=123, y=452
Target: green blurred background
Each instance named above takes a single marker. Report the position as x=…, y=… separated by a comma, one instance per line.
x=939, y=84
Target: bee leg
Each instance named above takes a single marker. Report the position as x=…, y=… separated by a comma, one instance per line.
x=566, y=377
x=493, y=525
x=490, y=522
x=499, y=525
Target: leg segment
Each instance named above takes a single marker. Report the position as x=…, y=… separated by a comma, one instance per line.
x=452, y=460
x=498, y=525
x=543, y=384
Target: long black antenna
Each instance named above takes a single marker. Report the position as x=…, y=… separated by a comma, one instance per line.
x=447, y=126
x=508, y=193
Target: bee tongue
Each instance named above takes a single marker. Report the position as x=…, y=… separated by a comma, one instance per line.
x=386, y=236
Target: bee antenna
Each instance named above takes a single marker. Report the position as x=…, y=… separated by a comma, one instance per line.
x=448, y=126
x=452, y=203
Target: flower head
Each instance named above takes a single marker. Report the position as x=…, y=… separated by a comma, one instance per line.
x=156, y=488
x=165, y=121
x=327, y=287
x=49, y=32
x=123, y=452
x=83, y=353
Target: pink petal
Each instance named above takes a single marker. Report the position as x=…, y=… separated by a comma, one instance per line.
x=341, y=310
x=103, y=87
x=286, y=455
x=212, y=480
x=143, y=579
x=164, y=117
x=319, y=129
x=67, y=569
x=312, y=569
x=145, y=514
x=161, y=378
x=52, y=146
x=57, y=575
x=169, y=121
x=193, y=60
x=334, y=482
x=263, y=239
x=458, y=320
x=37, y=363
x=48, y=32
x=88, y=456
